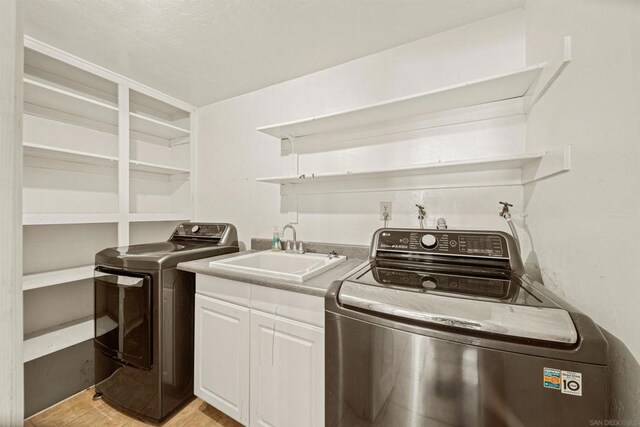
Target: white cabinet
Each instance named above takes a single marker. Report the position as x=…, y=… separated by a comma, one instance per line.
x=259, y=353
x=287, y=372
x=222, y=356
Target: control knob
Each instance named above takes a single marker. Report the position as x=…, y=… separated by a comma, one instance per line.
x=429, y=241
x=429, y=282
x=195, y=229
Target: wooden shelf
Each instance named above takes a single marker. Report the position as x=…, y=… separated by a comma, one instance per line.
x=74, y=156
x=54, y=339
x=532, y=167
x=158, y=217
x=493, y=163
x=501, y=87
x=56, y=102
x=51, y=278
x=155, y=168
x=156, y=128
x=65, y=105
x=67, y=218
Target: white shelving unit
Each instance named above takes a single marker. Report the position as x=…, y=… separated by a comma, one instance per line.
x=102, y=154
x=158, y=217
x=67, y=155
x=51, y=278
x=492, y=97
x=57, y=338
x=65, y=218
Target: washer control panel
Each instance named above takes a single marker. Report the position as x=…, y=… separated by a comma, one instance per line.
x=444, y=242
x=199, y=231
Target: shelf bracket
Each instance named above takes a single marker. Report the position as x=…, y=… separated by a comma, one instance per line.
x=560, y=65
x=555, y=161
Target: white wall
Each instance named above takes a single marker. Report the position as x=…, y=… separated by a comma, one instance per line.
x=11, y=373
x=585, y=225
x=232, y=154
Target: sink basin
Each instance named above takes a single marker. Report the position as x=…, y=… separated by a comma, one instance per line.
x=280, y=265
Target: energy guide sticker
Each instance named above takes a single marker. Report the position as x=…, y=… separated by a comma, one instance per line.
x=572, y=383
x=552, y=378
x=566, y=381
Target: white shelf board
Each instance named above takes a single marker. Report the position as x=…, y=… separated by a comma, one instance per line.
x=53, y=102
x=505, y=86
x=155, y=168
x=487, y=164
x=67, y=155
x=51, y=278
x=54, y=339
x=156, y=128
x=158, y=217
x=68, y=218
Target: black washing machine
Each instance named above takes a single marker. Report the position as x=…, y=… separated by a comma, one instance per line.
x=144, y=317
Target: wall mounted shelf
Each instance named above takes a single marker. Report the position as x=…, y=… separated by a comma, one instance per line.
x=533, y=167
x=57, y=338
x=75, y=156
x=155, y=168
x=158, y=217
x=57, y=277
x=146, y=125
x=68, y=218
x=506, y=86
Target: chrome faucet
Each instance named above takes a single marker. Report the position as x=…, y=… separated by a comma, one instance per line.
x=294, y=246
x=504, y=213
x=421, y=214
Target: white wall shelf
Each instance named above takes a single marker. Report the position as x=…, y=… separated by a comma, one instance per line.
x=68, y=218
x=56, y=338
x=57, y=277
x=74, y=156
x=53, y=102
x=158, y=217
x=44, y=99
x=155, y=168
x=533, y=166
x=156, y=128
x=501, y=87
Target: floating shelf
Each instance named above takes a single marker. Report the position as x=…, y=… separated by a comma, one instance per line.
x=68, y=218
x=74, y=156
x=51, y=278
x=506, y=86
x=54, y=339
x=155, y=168
x=158, y=217
x=533, y=166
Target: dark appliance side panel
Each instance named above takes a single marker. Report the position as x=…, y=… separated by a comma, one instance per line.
x=379, y=376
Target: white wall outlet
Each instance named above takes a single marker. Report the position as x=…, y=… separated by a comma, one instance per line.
x=385, y=211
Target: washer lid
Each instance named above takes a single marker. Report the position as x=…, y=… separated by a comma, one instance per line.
x=509, y=320
x=152, y=256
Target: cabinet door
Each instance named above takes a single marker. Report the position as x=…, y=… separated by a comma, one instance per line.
x=287, y=372
x=222, y=356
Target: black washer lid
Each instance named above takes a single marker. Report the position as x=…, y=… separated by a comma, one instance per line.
x=161, y=255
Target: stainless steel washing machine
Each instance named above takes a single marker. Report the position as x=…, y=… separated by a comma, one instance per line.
x=443, y=328
x=144, y=318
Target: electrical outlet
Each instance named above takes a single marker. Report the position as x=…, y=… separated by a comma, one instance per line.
x=385, y=211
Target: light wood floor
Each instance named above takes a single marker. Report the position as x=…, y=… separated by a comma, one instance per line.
x=82, y=410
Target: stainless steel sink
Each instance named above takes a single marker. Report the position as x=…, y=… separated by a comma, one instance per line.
x=280, y=265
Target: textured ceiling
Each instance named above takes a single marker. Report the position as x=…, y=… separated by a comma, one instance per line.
x=202, y=51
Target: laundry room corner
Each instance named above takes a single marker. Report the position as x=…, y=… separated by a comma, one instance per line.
x=585, y=224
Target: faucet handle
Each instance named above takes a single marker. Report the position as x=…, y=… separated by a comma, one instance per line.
x=289, y=246
x=300, y=247
x=333, y=254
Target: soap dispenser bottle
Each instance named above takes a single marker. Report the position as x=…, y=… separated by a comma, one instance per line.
x=275, y=241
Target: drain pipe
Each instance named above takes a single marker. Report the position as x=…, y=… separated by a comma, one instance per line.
x=504, y=213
